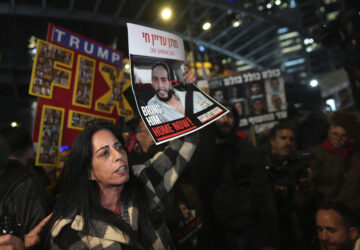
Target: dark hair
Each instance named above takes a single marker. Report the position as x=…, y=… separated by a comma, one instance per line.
x=163, y=65
x=80, y=195
x=3, y=151
x=347, y=215
x=18, y=139
x=281, y=126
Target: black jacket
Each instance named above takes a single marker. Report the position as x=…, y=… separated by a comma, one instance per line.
x=244, y=199
x=22, y=194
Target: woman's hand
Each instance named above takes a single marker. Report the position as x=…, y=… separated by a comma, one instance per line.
x=12, y=242
x=189, y=77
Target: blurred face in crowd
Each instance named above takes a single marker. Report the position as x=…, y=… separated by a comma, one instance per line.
x=338, y=137
x=226, y=123
x=276, y=101
x=219, y=95
x=161, y=83
x=109, y=160
x=185, y=212
x=333, y=233
x=143, y=136
x=255, y=88
x=283, y=143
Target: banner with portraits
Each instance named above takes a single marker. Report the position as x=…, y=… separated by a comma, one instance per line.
x=169, y=107
x=258, y=97
x=78, y=82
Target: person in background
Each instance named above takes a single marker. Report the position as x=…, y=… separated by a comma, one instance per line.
x=20, y=191
x=290, y=178
x=21, y=195
x=243, y=201
x=336, y=163
x=337, y=227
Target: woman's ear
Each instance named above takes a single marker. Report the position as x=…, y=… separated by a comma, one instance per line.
x=91, y=175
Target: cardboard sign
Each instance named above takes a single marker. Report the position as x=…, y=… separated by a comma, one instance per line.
x=78, y=82
x=169, y=107
x=258, y=97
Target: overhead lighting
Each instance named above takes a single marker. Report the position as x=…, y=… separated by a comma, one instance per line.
x=277, y=2
x=282, y=30
x=14, y=124
x=314, y=83
x=308, y=41
x=261, y=8
x=127, y=66
x=289, y=35
x=291, y=49
x=269, y=5
x=236, y=23
x=32, y=42
x=201, y=48
x=331, y=104
x=294, y=62
x=206, y=26
x=33, y=51
x=292, y=4
x=166, y=13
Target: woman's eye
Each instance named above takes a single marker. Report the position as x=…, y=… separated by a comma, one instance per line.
x=119, y=147
x=104, y=154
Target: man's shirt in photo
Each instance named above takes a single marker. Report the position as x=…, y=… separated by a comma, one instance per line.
x=200, y=102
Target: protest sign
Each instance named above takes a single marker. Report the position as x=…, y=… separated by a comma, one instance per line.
x=169, y=107
x=78, y=82
x=258, y=97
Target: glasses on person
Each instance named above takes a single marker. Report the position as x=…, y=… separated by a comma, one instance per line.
x=339, y=136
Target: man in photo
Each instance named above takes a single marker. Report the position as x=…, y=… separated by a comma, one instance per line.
x=276, y=102
x=173, y=102
x=239, y=108
x=256, y=88
x=275, y=84
x=258, y=107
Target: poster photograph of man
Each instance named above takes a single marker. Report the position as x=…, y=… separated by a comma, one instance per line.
x=167, y=98
x=164, y=92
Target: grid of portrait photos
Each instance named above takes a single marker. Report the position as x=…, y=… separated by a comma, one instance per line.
x=81, y=121
x=45, y=73
x=50, y=136
x=116, y=94
x=252, y=98
x=84, y=81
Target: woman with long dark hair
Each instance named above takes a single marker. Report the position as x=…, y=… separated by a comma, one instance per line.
x=104, y=204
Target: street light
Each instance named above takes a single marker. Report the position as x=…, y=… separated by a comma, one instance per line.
x=206, y=26
x=166, y=13
x=314, y=83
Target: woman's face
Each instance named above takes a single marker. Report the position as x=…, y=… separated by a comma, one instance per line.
x=109, y=160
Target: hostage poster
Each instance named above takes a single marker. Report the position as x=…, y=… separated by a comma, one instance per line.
x=169, y=106
x=258, y=97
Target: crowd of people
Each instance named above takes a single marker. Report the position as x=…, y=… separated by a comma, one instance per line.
x=208, y=190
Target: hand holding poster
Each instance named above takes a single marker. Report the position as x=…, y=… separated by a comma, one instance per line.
x=168, y=104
